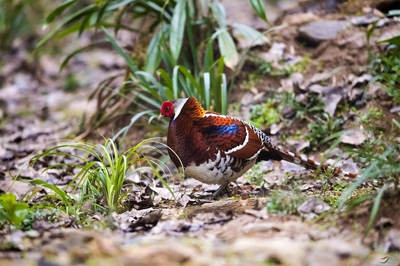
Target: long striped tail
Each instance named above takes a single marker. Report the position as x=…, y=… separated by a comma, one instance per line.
x=305, y=162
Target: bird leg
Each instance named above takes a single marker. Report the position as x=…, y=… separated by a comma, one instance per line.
x=220, y=191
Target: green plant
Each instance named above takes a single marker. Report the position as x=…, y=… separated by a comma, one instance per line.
x=323, y=127
x=11, y=210
x=183, y=35
x=380, y=152
x=285, y=202
x=48, y=213
x=102, y=172
x=255, y=175
x=265, y=114
x=17, y=19
x=379, y=155
x=387, y=74
x=303, y=65
x=263, y=68
x=71, y=83
x=302, y=111
x=385, y=170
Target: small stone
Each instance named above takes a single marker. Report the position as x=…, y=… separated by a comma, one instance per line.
x=316, y=32
x=394, y=238
x=354, y=137
x=300, y=18
x=383, y=222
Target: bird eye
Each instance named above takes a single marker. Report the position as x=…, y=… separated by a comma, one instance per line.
x=167, y=108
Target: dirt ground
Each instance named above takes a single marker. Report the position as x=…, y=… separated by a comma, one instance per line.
x=36, y=112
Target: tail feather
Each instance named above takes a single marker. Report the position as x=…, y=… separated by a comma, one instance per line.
x=276, y=152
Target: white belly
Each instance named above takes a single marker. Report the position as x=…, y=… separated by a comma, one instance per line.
x=218, y=171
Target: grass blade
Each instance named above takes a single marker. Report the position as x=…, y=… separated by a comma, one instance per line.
x=81, y=13
x=177, y=29
x=375, y=208
x=207, y=85
x=259, y=8
x=128, y=60
x=224, y=96
x=58, y=11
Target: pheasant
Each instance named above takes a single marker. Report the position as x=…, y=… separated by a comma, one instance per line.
x=218, y=149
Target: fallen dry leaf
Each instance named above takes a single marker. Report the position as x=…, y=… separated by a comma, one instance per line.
x=353, y=137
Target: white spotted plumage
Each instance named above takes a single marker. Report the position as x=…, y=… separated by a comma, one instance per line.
x=218, y=171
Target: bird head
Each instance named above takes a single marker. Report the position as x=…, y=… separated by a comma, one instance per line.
x=167, y=110
x=190, y=107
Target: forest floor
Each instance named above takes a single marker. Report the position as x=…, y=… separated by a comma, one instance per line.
x=269, y=216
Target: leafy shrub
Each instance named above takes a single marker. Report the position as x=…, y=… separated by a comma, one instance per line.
x=182, y=47
x=102, y=172
x=11, y=210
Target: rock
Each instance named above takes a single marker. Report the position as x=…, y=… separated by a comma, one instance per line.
x=300, y=18
x=312, y=208
x=353, y=137
x=299, y=145
x=371, y=16
x=316, y=32
x=394, y=238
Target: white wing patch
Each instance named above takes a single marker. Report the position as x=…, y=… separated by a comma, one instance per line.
x=178, y=105
x=246, y=139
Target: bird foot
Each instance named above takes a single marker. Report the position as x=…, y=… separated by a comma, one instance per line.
x=220, y=191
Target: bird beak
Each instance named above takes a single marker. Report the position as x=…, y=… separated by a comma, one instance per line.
x=160, y=117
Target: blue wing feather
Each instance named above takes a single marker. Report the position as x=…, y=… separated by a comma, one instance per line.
x=222, y=129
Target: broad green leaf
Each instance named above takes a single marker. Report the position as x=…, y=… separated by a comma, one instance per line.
x=175, y=88
x=259, y=8
x=177, y=29
x=153, y=54
x=227, y=49
x=219, y=14
x=12, y=210
x=253, y=36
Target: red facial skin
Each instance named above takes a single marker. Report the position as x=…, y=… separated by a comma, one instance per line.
x=167, y=109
